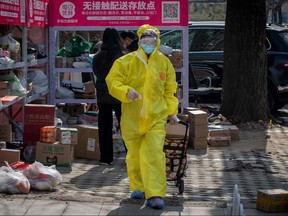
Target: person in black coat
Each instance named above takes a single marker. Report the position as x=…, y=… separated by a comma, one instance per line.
x=129, y=40
x=103, y=60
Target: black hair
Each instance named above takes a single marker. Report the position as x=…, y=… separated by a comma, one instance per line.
x=128, y=33
x=111, y=43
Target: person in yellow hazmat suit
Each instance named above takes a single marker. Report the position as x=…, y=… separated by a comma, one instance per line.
x=145, y=82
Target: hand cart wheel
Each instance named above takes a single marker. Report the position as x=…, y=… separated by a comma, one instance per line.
x=181, y=186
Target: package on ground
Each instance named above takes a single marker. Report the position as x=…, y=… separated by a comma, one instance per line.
x=224, y=130
x=54, y=154
x=35, y=117
x=218, y=131
x=234, y=131
x=88, y=142
x=187, y=109
x=9, y=155
x=67, y=135
x=48, y=134
x=198, y=143
x=198, y=131
x=6, y=133
x=272, y=200
x=219, y=141
x=197, y=117
x=175, y=130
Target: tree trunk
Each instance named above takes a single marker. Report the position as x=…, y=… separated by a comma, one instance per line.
x=245, y=69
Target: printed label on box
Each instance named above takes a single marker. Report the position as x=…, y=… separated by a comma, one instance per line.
x=91, y=144
x=66, y=137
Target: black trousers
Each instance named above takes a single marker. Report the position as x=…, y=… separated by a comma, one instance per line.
x=105, y=126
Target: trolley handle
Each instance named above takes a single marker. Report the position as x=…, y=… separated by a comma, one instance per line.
x=186, y=130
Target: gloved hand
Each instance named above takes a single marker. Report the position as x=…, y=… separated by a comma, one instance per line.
x=133, y=95
x=173, y=119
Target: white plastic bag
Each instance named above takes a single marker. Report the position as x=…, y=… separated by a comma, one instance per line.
x=40, y=83
x=12, y=44
x=13, y=182
x=42, y=177
x=15, y=86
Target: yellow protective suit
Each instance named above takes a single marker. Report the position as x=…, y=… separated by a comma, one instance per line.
x=143, y=120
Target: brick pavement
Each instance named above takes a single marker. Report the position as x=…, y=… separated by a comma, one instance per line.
x=253, y=163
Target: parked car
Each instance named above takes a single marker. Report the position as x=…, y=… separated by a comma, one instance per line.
x=206, y=45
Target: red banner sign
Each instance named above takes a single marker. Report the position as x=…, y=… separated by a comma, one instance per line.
x=118, y=12
x=37, y=13
x=12, y=12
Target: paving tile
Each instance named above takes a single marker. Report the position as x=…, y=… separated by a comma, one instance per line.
x=47, y=207
x=109, y=209
x=133, y=209
x=174, y=210
x=83, y=208
x=15, y=207
x=206, y=211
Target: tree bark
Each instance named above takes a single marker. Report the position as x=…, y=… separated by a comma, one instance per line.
x=245, y=68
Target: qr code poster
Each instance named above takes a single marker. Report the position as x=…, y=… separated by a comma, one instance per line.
x=171, y=12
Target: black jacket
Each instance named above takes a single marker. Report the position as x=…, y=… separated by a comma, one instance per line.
x=133, y=46
x=101, y=68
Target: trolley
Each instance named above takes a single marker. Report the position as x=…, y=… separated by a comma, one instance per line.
x=175, y=149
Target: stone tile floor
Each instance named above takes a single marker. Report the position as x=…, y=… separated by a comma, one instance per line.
x=254, y=162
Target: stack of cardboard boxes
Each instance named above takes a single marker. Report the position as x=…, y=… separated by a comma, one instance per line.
x=60, y=149
x=221, y=135
x=9, y=155
x=198, y=128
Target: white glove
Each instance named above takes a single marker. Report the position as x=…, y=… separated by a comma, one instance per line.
x=173, y=119
x=133, y=95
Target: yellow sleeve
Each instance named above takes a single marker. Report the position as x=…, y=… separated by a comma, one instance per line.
x=170, y=90
x=115, y=81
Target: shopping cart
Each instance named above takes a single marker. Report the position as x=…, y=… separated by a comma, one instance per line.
x=175, y=149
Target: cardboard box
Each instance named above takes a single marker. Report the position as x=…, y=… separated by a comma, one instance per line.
x=272, y=200
x=198, y=117
x=89, y=87
x=183, y=117
x=36, y=116
x=88, y=143
x=187, y=109
x=198, y=131
x=219, y=141
x=6, y=133
x=215, y=132
x=234, y=131
x=198, y=143
x=4, y=88
x=67, y=136
x=9, y=155
x=71, y=110
x=57, y=154
x=176, y=131
x=222, y=130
